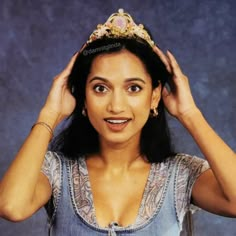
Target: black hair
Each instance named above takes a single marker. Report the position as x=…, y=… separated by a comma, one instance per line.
x=79, y=138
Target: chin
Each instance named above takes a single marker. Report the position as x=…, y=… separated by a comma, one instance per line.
x=121, y=138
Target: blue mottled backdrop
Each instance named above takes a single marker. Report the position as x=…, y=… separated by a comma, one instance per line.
x=37, y=38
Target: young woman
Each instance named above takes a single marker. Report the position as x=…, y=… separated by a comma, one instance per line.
x=112, y=170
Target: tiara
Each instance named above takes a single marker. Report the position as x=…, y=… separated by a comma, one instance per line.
x=120, y=25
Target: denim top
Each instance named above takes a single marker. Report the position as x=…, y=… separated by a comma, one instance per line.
x=71, y=211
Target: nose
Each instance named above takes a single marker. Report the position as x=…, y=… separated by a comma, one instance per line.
x=116, y=103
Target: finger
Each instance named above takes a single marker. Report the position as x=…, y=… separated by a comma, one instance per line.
x=166, y=91
x=71, y=63
x=69, y=67
x=163, y=57
x=67, y=70
x=82, y=48
x=174, y=65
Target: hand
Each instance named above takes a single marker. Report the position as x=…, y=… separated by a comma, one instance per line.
x=60, y=102
x=176, y=94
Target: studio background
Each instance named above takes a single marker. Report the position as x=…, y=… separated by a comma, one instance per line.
x=37, y=38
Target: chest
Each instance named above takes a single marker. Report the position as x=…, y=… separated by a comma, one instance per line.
x=118, y=198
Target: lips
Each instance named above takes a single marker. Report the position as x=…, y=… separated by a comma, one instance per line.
x=117, y=124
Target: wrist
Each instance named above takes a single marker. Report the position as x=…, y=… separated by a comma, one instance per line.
x=51, y=118
x=46, y=126
x=191, y=116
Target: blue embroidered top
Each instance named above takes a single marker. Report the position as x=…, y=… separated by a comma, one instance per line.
x=165, y=201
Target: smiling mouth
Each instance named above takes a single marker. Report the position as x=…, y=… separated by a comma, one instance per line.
x=120, y=121
x=117, y=124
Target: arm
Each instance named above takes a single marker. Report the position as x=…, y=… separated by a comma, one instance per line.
x=215, y=189
x=23, y=188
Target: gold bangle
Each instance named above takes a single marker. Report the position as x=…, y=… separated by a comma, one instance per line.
x=46, y=126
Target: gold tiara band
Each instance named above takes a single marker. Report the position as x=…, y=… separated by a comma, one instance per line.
x=120, y=25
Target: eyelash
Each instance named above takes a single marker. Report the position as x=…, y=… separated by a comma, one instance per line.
x=99, y=86
x=135, y=86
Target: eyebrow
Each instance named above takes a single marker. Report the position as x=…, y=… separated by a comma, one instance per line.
x=127, y=80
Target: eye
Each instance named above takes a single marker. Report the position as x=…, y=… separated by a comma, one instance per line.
x=134, y=88
x=100, y=88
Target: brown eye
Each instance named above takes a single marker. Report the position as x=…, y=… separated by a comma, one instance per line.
x=100, y=89
x=134, y=88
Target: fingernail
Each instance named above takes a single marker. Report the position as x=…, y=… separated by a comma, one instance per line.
x=82, y=48
x=167, y=86
x=169, y=51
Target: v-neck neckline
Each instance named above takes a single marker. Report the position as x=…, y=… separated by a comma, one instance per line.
x=153, y=196
x=140, y=209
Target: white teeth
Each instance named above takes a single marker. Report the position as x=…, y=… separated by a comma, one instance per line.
x=116, y=121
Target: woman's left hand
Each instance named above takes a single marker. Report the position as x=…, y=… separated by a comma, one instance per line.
x=176, y=94
x=215, y=189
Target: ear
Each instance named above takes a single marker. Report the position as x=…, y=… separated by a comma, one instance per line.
x=156, y=96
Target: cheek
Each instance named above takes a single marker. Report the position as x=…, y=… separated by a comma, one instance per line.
x=143, y=102
x=95, y=104
x=90, y=99
x=95, y=109
x=141, y=109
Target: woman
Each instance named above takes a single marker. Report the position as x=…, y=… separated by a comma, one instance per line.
x=112, y=170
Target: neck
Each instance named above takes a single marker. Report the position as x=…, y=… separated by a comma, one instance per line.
x=119, y=156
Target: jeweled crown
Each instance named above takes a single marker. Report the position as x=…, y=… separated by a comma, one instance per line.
x=120, y=25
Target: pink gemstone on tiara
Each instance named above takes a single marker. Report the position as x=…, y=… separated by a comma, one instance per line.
x=120, y=22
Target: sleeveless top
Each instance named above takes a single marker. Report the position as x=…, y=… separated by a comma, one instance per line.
x=165, y=201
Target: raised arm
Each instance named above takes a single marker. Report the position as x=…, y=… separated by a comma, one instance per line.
x=23, y=188
x=215, y=189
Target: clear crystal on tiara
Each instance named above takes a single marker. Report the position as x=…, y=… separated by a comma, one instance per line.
x=120, y=25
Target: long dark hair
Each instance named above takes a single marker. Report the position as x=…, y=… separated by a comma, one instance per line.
x=79, y=138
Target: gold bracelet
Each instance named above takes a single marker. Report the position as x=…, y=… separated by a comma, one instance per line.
x=46, y=126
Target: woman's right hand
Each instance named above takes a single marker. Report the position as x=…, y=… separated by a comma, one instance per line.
x=60, y=102
x=24, y=178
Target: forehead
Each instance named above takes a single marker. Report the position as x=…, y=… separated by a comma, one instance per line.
x=120, y=64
